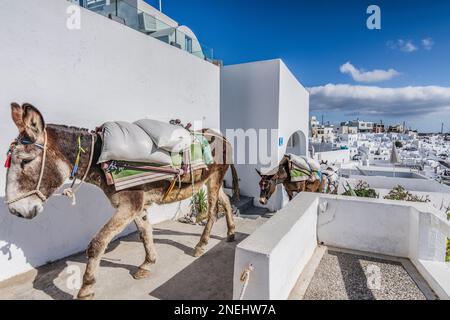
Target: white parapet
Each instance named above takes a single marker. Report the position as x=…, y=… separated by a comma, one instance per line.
x=279, y=250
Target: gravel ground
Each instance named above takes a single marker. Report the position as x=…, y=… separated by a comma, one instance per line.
x=343, y=276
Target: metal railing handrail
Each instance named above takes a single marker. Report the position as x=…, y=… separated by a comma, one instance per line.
x=121, y=8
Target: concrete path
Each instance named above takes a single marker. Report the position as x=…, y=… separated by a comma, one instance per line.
x=176, y=274
x=346, y=276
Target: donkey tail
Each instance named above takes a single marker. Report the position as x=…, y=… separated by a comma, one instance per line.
x=236, y=191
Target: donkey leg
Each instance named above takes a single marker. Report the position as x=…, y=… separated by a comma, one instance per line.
x=146, y=234
x=223, y=198
x=214, y=185
x=128, y=208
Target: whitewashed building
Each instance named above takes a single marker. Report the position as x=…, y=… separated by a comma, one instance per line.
x=270, y=107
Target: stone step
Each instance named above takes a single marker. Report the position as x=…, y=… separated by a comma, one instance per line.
x=243, y=203
x=254, y=213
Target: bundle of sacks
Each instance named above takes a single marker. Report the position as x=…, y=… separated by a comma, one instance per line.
x=145, y=141
x=304, y=169
x=153, y=143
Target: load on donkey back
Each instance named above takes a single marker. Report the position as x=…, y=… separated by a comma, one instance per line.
x=135, y=164
x=298, y=174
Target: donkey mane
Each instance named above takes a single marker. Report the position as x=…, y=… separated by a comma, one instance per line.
x=68, y=129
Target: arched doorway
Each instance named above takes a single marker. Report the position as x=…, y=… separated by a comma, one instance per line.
x=297, y=144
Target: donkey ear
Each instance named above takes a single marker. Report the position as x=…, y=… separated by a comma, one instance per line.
x=17, y=116
x=259, y=172
x=33, y=121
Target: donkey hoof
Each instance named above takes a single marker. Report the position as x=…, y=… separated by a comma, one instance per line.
x=141, y=274
x=198, y=252
x=86, y=296
x=231, y=238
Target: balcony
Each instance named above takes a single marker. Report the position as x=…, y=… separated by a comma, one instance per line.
x=123, y=12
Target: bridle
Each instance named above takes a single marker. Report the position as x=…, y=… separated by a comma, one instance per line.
x=37, y=190
x=69, y=192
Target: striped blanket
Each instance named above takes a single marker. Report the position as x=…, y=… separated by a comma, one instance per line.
x=126, y=175
x=304, y=169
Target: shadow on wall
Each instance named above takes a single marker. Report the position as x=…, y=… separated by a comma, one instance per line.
x=59, y=231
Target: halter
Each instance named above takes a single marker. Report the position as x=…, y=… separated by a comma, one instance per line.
x=37, y=190
x=69, y=192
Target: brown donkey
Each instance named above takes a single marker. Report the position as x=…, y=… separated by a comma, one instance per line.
x=268, y=183
x=41, y=161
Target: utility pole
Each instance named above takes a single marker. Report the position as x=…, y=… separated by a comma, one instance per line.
x=322, y=120
x=442, y=128
x=160, y=5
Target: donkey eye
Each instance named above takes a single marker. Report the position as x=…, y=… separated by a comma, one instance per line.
x=25, y=162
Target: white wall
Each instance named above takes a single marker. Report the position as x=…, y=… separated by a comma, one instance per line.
x=104, y=71
x=333, y=157
x=281, y=248
x=263, y=95
x=278, y=250
x=249, y=100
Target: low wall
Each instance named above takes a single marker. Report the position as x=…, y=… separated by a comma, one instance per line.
x=422, y=185
x=333, y=157
x=269, y=249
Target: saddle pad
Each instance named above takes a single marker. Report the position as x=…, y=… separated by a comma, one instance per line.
x=299, y=175
x=127, y=178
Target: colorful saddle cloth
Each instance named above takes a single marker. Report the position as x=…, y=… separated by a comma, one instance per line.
x=304, y=169
x=126, y=175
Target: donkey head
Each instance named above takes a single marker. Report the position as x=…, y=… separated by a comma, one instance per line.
x=267, y=185
x=22, y=195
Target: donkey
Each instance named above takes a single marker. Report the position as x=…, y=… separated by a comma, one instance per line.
x=268, y=183
x=42, y=158
x=331, y=175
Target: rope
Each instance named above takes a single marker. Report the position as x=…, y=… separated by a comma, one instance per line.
x=245, y=278
x=70, y=192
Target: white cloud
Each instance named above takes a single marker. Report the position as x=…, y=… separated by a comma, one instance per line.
x=428, y=43
x=402, y=45
x=361, y=75
x=372, y=100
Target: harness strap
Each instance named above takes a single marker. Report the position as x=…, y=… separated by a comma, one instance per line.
x=37, y=190
x=71, y=191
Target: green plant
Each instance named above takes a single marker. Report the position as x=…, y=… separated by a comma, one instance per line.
x=400, y=193
x=362, y=189
x=199, y=206
x=398, y=144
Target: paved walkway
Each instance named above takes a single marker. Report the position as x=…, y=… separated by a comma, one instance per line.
x=176, y=275
x=345, y=276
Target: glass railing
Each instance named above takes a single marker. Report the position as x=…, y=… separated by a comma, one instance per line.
x=123, y=12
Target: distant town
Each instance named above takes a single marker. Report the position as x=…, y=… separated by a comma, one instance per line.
x=371, y=143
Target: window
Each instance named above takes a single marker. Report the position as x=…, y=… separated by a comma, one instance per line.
x=292, y=142
x=188, y=44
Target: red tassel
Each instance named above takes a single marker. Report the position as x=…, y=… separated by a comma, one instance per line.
x=8, y=161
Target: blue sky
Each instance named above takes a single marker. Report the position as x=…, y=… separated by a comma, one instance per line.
x=316, y=38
